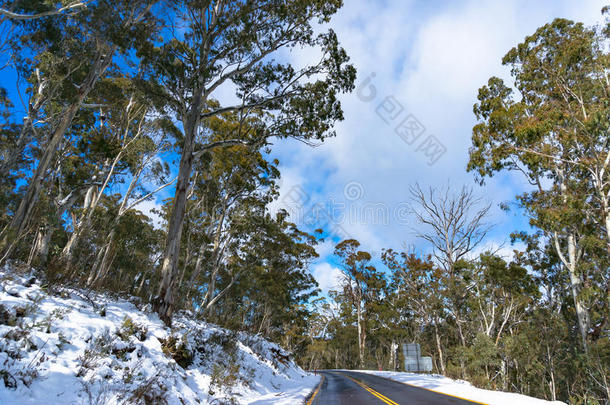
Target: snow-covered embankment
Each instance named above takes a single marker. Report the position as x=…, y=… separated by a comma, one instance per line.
x=71, y=349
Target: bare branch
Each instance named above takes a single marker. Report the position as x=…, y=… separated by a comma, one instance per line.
x=17, y=16
x=453, y=224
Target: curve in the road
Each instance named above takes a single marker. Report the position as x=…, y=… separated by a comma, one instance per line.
x=353, y=388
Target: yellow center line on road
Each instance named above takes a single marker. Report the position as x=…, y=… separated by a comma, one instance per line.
x=435, y=391
x=373, y=392
x=315, y=392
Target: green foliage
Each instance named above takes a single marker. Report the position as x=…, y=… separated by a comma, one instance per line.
x=130, y=328
x=515, y=319
x=224, y=376
x=178, y=349
x=134, y=100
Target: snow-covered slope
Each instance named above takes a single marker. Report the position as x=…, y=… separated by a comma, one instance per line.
x=73, y=349
x=461, y=389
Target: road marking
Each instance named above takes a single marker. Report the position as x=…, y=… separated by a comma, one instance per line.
x=443, y=393
x=372, y=391
x=315, y=392
x=431, y=390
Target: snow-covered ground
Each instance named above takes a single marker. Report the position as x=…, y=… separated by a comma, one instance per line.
x=68, y=348
x=461, y=389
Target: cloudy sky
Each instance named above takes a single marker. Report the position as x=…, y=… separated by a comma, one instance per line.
x=420, y=64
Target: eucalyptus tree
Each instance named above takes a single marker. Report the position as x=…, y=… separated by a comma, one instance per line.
x=139, y=149
x=421, y=286
x=453, y=223
x=362, y=284
x=263, y=284
x=227, y=181
x=274, y=263
x=220, y=47
x=65, y=58
x=555, y=131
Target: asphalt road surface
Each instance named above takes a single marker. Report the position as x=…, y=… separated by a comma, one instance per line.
x=353, y=388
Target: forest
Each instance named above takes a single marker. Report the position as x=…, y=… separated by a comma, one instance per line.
x=117, y=102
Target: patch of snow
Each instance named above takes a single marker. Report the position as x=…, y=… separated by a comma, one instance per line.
x=459, y=388
x=70, y=348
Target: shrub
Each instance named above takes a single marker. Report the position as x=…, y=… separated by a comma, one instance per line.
x=9, y=381
x=224, y=376
x=178, y=350
x=130, y=328
x=6, y=317
x=151, y=392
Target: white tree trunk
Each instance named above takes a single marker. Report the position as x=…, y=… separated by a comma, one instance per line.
x=361, y=335
x=439, y=349
x=164, y=302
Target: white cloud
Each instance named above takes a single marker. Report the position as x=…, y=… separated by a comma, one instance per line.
x=433, y=59
x=327, y=276
x=147, y=207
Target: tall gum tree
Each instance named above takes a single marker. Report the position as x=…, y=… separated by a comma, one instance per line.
x=71, y=55
x=555, y=132
x=361, y=284
x=211, y=46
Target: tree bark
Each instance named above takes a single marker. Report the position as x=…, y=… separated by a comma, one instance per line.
x=164, y=302
x=582, y=313
x=40, y=248
x=439, y=349
x=361, y=336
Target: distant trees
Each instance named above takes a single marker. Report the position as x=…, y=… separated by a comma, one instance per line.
x=419, y=285
x=512, y=331
x=454, y=224
x=362, y=286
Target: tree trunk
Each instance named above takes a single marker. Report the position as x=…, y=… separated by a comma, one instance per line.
x=78, y=228
x=210, y=305
x=103, y=261
x=164, y=302
x=439, y=349
x=571, y=262
x=393, y=349
x=336, y=358
x=41, y=242
x=361, y=336
x=24, y=211
x=607, y=223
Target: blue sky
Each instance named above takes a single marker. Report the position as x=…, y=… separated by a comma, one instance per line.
x=431, y=57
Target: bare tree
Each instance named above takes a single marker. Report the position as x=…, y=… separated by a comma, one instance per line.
x=454, y=223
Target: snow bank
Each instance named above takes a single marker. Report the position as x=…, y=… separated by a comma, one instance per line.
x=72, y=349
x=461, y=389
